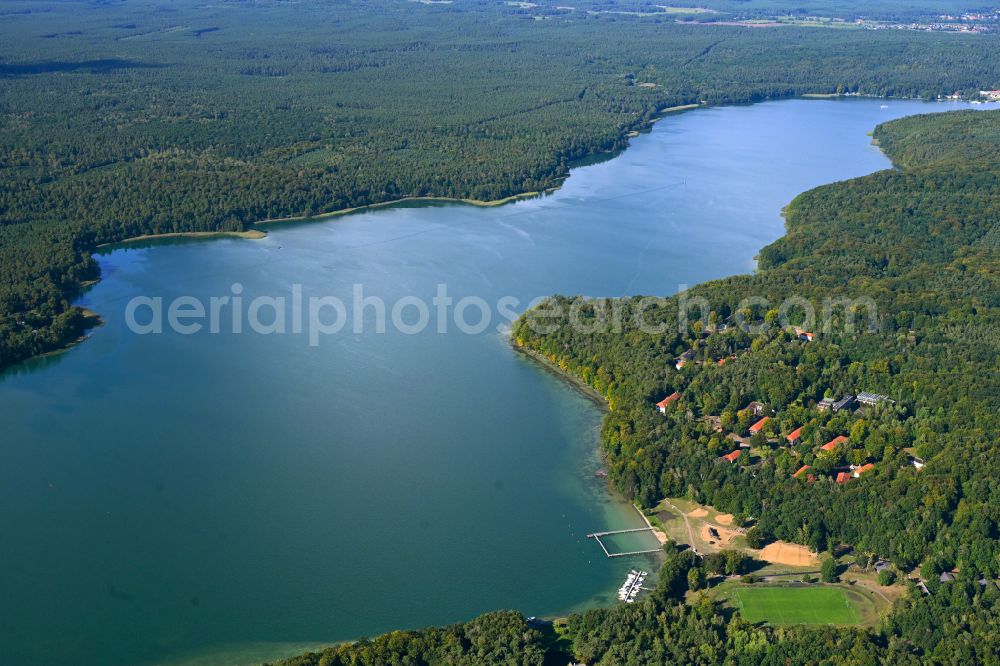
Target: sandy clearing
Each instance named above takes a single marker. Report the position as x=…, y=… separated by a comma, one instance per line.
x=724, y=540
x=781, y=552
x=698, y=513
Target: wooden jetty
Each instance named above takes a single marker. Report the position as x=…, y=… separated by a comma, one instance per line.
x=596, y=536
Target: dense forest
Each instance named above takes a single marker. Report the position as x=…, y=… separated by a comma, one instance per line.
x=121, y=119
x=922, y=242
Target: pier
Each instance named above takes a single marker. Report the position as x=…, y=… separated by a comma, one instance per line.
x=596, y=536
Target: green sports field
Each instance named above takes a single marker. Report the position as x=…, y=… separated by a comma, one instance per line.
x=795, y=605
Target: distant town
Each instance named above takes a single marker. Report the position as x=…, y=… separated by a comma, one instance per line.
x=973, y=22
x=968, y=23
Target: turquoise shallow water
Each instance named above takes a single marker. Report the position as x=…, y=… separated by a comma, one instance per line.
x=225, y=498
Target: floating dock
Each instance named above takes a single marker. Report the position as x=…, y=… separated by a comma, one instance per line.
x=596, y=536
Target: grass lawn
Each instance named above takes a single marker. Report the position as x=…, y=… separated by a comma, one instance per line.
x=795, y=605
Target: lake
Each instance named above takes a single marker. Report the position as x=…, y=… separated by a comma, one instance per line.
x=223, y=498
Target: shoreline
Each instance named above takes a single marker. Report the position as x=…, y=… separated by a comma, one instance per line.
x=588, y=391
x=584, y=388
x=658, y=532
x=682, y=107
x=93, y=320
x=250, y=234
x=885, y=97
x=479, y=203
x=661, y=536
x=254, y=233
x=257, y=234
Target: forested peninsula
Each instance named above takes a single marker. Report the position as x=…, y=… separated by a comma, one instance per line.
x=122, y=120
x=922, y=242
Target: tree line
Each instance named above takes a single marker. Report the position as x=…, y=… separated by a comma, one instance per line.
x=664, y=629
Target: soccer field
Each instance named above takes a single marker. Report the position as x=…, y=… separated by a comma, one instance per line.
x=795, y=605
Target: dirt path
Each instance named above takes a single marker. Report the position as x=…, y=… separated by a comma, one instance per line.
x=860, y=582
x=687, y=524
x=879, y=593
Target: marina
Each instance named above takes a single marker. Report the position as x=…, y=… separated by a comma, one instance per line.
x=632, y=586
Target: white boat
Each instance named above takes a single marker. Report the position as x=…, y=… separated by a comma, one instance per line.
x=633, y=584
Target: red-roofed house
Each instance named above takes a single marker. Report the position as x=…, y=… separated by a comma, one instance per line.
x=757, y=427
x=731, y=457
x=834, y=443
x=795, y=436
x=864, y=468
x=804, y=335
x=843, y=477
x=802, y=470
x=666, y=402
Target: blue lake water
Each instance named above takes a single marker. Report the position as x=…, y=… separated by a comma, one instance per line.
x=223, y=498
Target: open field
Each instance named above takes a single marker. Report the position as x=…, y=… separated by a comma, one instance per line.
x=708, y=531
x=690, y=523
x=780, y=605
